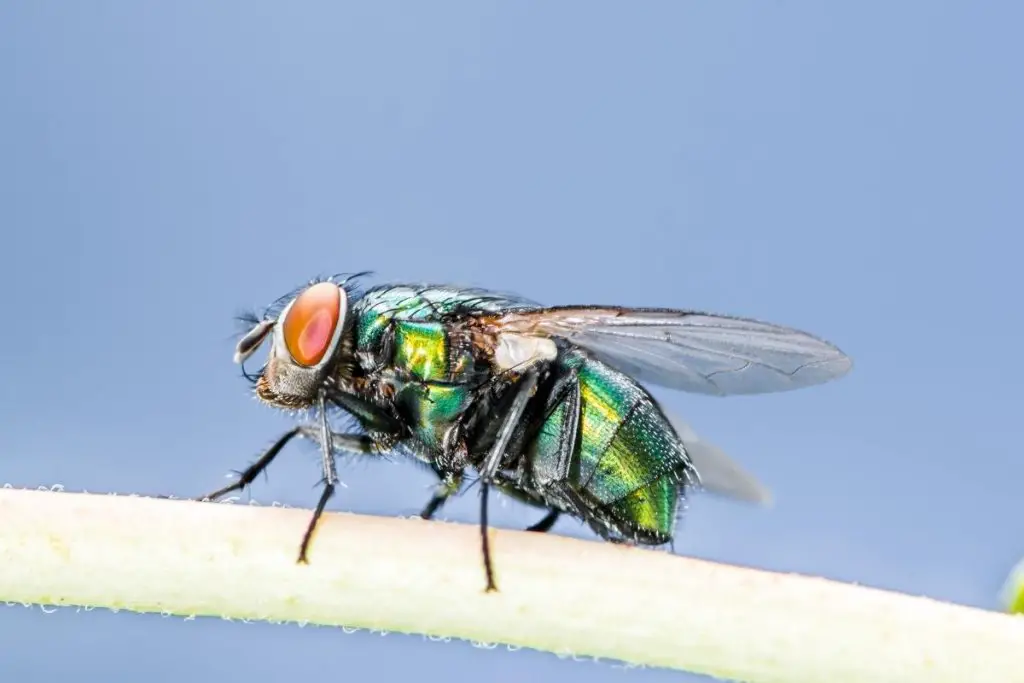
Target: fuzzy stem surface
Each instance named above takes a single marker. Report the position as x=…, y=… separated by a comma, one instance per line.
x=557, y=594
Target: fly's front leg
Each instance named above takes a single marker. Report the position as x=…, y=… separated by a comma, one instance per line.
x=492, y=463
x=330, y=478
x=383, y=425
x=385, y=432
x=329, y=443
x=352, y=443
x=249, y=474
x=385, y=428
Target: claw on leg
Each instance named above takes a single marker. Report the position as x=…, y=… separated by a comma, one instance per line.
x=546, y=523
x=252, y=471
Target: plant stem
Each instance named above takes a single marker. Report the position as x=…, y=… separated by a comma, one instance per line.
x=556, y=594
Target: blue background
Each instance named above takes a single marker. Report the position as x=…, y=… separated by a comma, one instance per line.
x=853, y=169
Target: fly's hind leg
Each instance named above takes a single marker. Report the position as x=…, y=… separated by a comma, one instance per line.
x=552, y=467
x=492, y=463
x=545, y=524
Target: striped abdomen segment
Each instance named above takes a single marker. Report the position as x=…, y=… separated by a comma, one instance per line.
x=605, y=443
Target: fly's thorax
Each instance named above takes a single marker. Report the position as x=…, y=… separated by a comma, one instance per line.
x=423, y=351
x=309, y=346
x=437, y=334
x=432, y=410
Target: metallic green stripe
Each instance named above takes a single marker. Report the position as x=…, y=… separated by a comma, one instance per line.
x=607, y=397
x=422, y=350
x=641, y=452
x=378, y=309
x=652, y=508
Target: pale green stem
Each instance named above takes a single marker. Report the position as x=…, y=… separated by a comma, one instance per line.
x=556, y=594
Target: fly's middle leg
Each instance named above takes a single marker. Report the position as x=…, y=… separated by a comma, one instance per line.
x=552, y=468
x=449, y=467
x=449, y=486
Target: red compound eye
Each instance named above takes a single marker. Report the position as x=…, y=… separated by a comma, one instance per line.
x=309, y=325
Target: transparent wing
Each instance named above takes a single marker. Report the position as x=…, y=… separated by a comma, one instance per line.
x=719, y=473
x=696, y=352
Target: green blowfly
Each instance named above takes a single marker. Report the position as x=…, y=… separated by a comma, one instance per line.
x=542, y=403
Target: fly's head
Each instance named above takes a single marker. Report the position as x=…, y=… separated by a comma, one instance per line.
x=307, y=346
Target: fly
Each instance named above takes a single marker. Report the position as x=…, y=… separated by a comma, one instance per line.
x=546, y=404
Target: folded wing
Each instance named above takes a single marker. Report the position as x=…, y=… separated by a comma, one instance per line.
x=691, y=351
x=720, y=474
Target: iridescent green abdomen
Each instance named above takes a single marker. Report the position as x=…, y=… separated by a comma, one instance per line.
x=609, y=442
